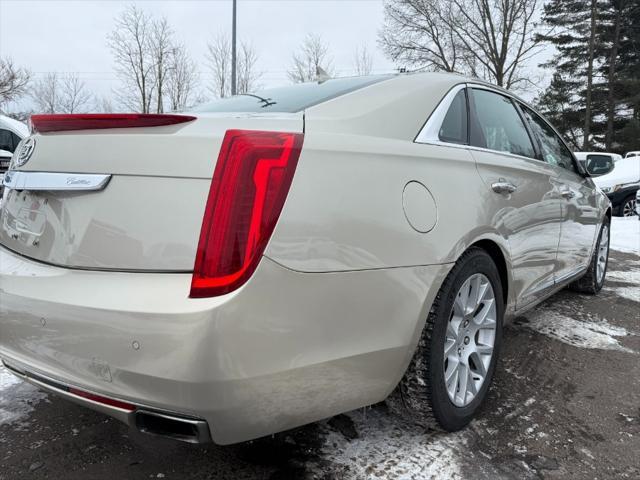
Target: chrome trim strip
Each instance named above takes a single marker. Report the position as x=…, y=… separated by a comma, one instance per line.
x=56, y=182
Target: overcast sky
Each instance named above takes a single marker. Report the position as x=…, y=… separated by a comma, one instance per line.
x=70, y=36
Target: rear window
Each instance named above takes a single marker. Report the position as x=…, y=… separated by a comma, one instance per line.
x=292, y=98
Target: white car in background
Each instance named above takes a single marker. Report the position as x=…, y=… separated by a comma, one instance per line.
x=324, y=244
x=11, y=133
x=621, y=184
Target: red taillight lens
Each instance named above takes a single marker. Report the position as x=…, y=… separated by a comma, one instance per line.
x=104, y=400
x=99, y=121
x=250, y=184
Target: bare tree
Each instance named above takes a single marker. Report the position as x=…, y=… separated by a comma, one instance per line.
x=312, y=55
x=130, y=43
x=13, y=81
x=46, y=93
x=182, y=79
x=487, y=38
x=55, y=94
x=104, y=105
x=415, y=32
x=219, y=60
x=74, y=96
x=162, y=48
x=248, y=76
x=362, y=61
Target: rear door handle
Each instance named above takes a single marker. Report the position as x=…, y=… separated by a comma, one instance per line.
x=502, y=186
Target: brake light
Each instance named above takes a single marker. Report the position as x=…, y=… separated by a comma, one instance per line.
x=104, y=400
x=99, y=121
x=250, y=183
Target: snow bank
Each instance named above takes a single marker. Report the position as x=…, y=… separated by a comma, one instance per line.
x=625, y=234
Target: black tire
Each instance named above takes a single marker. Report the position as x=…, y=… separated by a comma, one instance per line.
x=589, y=283
x=421, y=394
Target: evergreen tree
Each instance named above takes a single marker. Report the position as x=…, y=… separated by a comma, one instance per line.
x=594, y=96
x=572, y=29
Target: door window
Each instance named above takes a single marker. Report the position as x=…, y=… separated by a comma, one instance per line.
x=498, y=125
x=454, y=127
x=554, y=151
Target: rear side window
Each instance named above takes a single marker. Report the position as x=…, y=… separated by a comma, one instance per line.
x=554, y=151
x=293, y=98
x=498, y=125
x=454, y=127
x=597, y=163
x=8, y=140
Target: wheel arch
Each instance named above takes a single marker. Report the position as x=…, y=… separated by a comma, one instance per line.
x=498, y=257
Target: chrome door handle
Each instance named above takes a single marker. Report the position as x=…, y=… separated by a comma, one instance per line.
x=568, y=194
x=502, y=186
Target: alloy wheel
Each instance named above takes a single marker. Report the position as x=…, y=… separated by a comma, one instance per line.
x=603, y=253
x=629, y=208
x=470, y=339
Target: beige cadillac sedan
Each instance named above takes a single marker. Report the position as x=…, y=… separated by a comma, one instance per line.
x=277, y=258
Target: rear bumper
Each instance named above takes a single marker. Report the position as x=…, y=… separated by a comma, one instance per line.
x=190, y=430
x=286, y=349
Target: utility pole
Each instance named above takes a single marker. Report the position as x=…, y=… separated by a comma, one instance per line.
x=233, y=51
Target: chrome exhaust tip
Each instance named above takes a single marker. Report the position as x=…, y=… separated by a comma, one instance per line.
x=183, y=429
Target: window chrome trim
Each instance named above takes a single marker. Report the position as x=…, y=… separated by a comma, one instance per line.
x=430, y=132
x=55, y=182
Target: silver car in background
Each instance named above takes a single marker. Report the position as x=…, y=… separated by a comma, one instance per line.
x=325, y=246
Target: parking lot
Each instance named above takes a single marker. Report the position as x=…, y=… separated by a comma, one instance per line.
x=565, y=404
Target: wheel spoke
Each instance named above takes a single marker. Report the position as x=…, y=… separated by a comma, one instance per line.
x=474, y=295
x=484, y=316
x=463, y=383
x=472, y=383
x=480, y=369
x=449, y=348
x=451, y=378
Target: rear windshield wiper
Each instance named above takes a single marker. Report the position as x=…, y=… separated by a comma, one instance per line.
x=267, y=102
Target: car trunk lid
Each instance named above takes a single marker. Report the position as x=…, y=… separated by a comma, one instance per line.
x=145, y=211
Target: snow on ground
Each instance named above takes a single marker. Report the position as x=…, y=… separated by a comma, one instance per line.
x=625, y=234
x=17, y=398
x=587, y=332
x=388, y=446
x=625, y=284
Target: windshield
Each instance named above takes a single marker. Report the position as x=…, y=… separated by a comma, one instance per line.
x=292, y=98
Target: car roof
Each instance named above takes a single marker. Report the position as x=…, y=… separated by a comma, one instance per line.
x=15, y=126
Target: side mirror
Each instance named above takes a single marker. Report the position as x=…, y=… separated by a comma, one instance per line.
x=602, y=165
x=5, y=154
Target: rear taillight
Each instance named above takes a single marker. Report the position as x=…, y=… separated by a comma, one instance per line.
x=99, y=121
x=249, y=187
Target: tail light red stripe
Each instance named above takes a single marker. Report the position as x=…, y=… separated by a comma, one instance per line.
x=250, y=184
x=99, y=121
